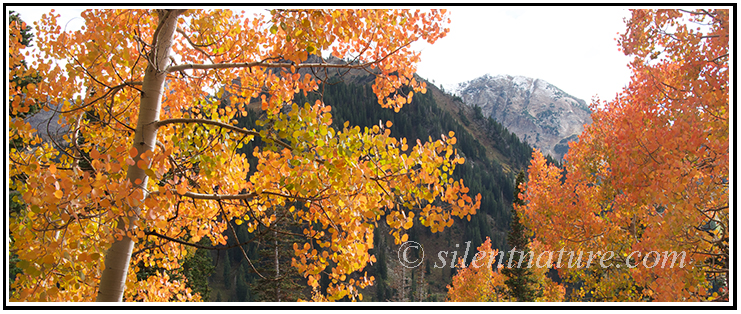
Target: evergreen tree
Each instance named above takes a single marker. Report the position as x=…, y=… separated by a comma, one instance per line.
x=242, y=288
x=520, y=281
x=281, y=282
x=381, y=291
x=32, y=78
x=227, y=272
x=197, y=269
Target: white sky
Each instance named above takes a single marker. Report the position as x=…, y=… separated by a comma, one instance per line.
x=572, y=48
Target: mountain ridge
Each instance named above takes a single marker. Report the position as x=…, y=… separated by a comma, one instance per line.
x=540, y=113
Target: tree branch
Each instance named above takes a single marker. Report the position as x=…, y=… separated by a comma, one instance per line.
x=219, y=124
x=261, y=64
x=716, y=209
x=718, y=57
x=195, y=245
x=286, y=65
x=218, y=197
x=241, y=249
x=206, y=121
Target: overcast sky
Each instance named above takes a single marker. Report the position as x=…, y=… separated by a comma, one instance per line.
x=572, y=48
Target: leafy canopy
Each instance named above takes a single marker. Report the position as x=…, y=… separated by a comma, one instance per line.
x=102, y=184
x=650, y=175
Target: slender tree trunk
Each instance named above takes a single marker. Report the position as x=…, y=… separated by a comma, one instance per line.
x=277, y=267
x=118, y=257
x=403, y=283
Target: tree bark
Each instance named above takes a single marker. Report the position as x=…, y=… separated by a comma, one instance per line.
x=118, y=256
x=277, y=267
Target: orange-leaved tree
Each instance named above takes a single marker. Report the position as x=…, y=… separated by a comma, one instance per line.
x=646, y=186
x=149, y=165
x=481, y=282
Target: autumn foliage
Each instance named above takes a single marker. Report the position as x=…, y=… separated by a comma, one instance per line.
x=479, y=281
x=150, y=163
x=651, y=172
x=483, y=281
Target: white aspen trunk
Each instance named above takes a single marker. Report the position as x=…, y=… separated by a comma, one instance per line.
x=113, y=279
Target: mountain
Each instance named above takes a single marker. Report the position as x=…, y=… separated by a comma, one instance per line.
x=47, y=124
x=539, y=113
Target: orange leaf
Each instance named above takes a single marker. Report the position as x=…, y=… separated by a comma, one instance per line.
x=182, y=189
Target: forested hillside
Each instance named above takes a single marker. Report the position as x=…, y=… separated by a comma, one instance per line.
x=493, y=155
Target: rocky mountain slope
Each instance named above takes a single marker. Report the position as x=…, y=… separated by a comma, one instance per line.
x=539, y=113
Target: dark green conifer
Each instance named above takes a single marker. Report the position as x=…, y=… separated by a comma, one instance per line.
x=520, y=280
